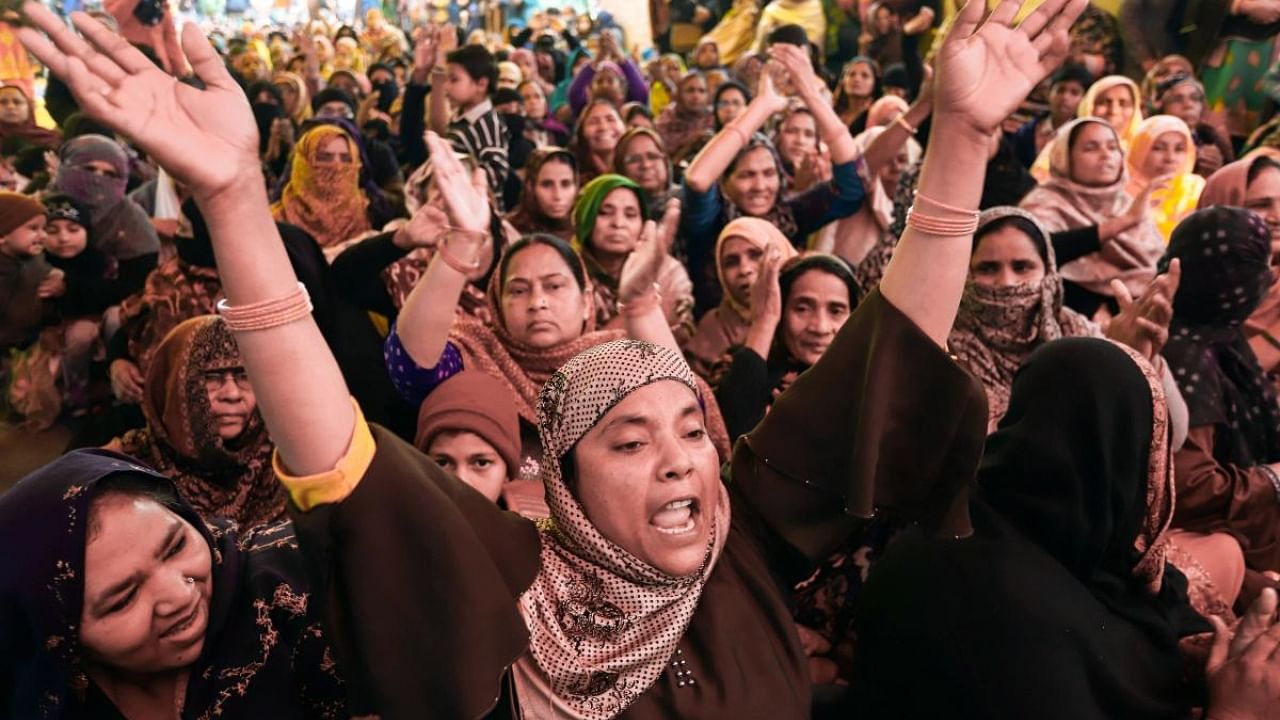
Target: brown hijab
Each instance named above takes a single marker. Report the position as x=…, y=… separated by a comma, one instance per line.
x=220, y=479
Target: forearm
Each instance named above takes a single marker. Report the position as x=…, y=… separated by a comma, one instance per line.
x=1108, y=229
x=832, y=131
x=885, y=148
x=926, y=276
x=760, y=336
x=439, y=112
x=578, y=88
x=299, y=387
x=714, y=159
x=651, y=326
x=637, y=88
x=427, y=314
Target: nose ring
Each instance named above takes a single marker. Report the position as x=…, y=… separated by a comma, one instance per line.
x=191, y=581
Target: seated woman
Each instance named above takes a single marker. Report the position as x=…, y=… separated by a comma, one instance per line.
x=796, y=312
x=540, y=127
x=739, y=173
x=642, y=157
x=203, y=428
x=796, y=138
x=740, y=252
x=126, y=603
x=1087, y=189
x=1227, y=470
x=550, y=186
x=608, y=220
x=689, y=116
x=654, y=574
x=595, y=138
x=323, y=195
x=1254, y=183
x=729, y=101
x=1182, y=96
x=1062, y=603
x=94, y=170
x=858, y=88
x=470, y=428
x=1164, y=152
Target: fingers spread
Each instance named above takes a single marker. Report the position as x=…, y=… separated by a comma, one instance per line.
x=116, y=49
x=205, y=62
x=967, y=19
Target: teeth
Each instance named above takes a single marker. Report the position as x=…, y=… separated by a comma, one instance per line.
x=677, y=504
x=676, y=530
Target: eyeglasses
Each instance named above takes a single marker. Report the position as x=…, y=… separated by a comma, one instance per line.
x=643, y=158
x=216, y=379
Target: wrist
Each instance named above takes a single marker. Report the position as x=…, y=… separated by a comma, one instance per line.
x=958, y=128
x=246, y=191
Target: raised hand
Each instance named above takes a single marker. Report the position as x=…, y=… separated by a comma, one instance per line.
x=640, y=271
x=985, y=72
x=767, y=94
x=466, y=202
x=425, y=39
x=424, y=230
x=798, y=66
x=446, y=42
x=766, y=304
x=1143, y=324
x=206, y=139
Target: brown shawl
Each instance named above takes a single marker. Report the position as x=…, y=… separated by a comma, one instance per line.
x=227, y=480
x=1061, y=203
x=997, y=328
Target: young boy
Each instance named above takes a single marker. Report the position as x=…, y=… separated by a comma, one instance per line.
x=470, y=74
x=469, y=426
x=26, y=280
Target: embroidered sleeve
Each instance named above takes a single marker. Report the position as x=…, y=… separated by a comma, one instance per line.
x=412, y=381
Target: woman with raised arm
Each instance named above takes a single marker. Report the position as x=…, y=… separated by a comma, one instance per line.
x=652, y=575
x=740, y=173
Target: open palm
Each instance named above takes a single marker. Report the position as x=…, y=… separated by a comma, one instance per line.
x=985, y=72
x=205, y=138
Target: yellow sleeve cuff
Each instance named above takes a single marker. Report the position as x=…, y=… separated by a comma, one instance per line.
x=335, y=485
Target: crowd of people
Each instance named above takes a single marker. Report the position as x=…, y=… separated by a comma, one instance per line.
x=832, y=362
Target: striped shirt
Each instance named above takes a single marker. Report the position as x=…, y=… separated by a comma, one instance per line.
x=481, y=133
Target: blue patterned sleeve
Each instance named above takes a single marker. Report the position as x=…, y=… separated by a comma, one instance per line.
x=411, y=380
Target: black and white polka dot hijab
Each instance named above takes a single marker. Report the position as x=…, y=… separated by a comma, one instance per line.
x=603, y=624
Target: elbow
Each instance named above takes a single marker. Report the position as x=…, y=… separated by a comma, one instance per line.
x=696, y=181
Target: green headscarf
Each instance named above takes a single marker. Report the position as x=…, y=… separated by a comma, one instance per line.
x=587, y=206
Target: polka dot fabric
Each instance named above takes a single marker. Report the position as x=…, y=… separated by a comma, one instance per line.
x=603, y=624
x=1225, y=254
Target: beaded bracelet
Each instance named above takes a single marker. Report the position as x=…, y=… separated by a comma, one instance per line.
x=267, y=314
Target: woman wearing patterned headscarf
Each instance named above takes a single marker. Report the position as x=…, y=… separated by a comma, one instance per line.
x=125, y=601
x=203, y=428
x=1227, y=471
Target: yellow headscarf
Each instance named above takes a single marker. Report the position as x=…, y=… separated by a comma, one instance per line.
x=1183, y=193
x=324, y=198
x=303, y=110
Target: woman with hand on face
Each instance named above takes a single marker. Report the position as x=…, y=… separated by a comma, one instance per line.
x=609, y=221
x=652, y=575
x=125, y=602
x=1087, y=190
x=1163, y=149
x=739, y=173
x=741, y=250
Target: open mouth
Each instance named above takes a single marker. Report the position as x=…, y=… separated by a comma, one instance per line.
x=677, y=517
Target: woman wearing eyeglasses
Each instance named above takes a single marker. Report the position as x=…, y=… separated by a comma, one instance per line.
x=203, y=428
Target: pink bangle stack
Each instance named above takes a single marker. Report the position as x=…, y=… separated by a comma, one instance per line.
x=268, y=313
x=955, y=222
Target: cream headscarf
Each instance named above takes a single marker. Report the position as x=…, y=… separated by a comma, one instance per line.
x=1061, y=203
x=603, y=624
